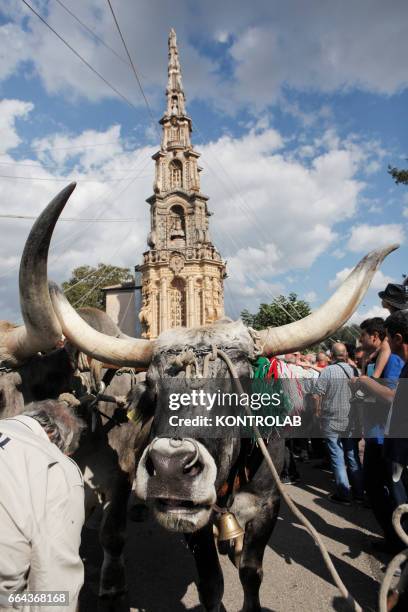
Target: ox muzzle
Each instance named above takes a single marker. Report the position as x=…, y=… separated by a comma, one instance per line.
x=177, y=475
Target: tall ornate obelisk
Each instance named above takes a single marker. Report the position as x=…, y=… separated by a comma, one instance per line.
x=182, y=272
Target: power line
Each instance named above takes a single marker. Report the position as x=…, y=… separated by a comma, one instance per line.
x=81, y=280
x=133, y=68
x=98, y=38
x=99, y=281
x=74, y=234
x=46, y=149
x=52, y=165
x=42, y=148
x=66, y=178
x=126, y=310
x=79, y=56
x=97, y=219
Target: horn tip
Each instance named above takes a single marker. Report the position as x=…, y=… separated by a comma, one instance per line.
x=388, y=249
x=378, y=255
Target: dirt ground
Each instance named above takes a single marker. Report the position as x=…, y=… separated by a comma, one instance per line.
x=162, y=578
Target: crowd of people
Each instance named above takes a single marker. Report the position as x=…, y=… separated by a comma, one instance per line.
x=357, y=401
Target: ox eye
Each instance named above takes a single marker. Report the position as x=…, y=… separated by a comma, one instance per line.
x=150, y=467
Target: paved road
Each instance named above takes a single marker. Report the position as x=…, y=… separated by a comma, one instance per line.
x=161, y=573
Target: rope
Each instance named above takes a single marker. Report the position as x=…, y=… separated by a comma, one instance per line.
x=396, y=562
x=291, y=504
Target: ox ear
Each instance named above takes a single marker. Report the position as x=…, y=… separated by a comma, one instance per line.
x=41, y=330
x=140, y=403
x=332, y=315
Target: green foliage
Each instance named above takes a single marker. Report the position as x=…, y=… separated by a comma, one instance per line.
x=347, y=333
x=84, y=288
x=282, y=310
x=399, y=176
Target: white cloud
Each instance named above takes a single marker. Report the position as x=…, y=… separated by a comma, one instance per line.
x=303, y=46
x=262, y=197
x=379, y=281
x=366, y=237
x=13, y=51
x=76, y=243
x=338, y=254
x=374, y=311
x=353, y=45
x=311, y=296
x=10, y=110
x=372, y=167
x=145, y=31
x=339, y=278
x=222, y=36
x=272, y=213
x=91, y=148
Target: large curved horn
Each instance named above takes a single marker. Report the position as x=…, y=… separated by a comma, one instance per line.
x=330, y=316
x=41, y=330
x=40, y=313
x=119, y=351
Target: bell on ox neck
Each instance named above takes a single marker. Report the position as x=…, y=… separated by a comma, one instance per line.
x=228, y=527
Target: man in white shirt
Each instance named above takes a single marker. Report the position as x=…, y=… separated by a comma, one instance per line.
x=41, y=504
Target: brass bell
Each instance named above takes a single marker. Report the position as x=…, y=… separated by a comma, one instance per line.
x=228, y=527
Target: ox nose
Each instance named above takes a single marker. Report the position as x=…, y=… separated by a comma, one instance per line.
x=178, y=465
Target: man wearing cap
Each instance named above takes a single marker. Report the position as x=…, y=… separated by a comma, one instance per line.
x=394, y=297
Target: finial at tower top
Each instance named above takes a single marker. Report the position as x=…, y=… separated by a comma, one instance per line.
x=175, y=93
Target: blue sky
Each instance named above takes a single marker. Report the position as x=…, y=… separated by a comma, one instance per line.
x=298, y=109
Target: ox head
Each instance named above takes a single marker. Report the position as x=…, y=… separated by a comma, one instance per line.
x=181, y=477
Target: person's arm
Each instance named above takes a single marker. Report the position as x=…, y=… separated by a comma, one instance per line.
x=316, y=404
x=319, y=390
x=303, y=363
x=55, y=561
x=377, y=389
x=364, y=360
x=382, y=358
x=309, y=366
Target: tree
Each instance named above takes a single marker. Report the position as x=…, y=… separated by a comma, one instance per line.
x=399, y=176
x=282, y=310
x=84, y=288
x=348, y=334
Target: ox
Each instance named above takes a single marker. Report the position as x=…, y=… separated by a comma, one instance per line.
x=31, y=369
x=184, y=479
